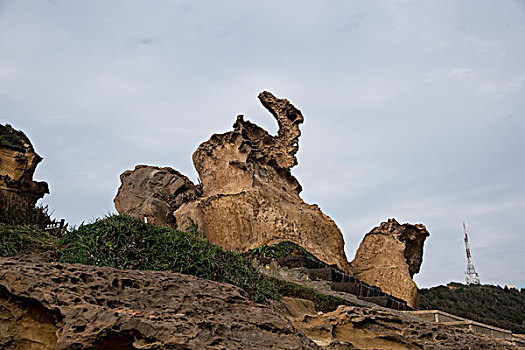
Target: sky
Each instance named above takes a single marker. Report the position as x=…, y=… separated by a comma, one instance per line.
x=414, y=110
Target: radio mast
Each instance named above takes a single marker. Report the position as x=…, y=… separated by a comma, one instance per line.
x=471, y=274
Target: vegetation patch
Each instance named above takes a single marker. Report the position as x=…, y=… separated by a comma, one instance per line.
x=128, y=243
x=15, y=240
x=492, y=305
x=280, y=250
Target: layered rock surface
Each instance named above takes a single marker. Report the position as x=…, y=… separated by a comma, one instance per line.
x=389, y=256
x=153, y=193
x=60, y=306
x=250, y=198
x=18, y=162
x=374, y=328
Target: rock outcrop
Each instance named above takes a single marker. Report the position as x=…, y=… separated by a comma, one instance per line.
x=373, y=328
x=389, y=256
x=60, y=306
x=250, y=198
x=154, y=193
x=18, y=161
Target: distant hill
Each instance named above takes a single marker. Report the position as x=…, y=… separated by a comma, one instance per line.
x=493, y=305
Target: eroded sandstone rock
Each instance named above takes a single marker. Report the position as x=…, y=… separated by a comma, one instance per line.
x=60, y=306
x=18, y=162
x=373, y=328
x=251, y=198
x=153, y=193
x=389, y=256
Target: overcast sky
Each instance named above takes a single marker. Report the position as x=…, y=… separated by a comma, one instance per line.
x=413, y=109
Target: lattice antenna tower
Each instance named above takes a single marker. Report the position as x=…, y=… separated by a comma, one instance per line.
x=471, y=274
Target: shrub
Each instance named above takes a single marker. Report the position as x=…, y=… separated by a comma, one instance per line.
x=493, y=305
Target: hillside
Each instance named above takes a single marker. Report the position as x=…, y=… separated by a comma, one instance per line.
x=493, y=305
x=128, y=243
x=126, y=277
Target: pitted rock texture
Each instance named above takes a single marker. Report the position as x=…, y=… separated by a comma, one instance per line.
x=18, y=162
x=389, y=256
x=372, y=328
x=251, y=198
x=52, y=305
x=153, y=193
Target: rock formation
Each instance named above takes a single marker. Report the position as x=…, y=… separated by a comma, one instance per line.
x=18, y=161
x=389, y=256
x=153, y=193
x=59, y=306
x=250, y=198
x=373, y=328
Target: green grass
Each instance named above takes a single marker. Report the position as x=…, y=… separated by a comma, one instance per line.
x=280, y=250
x=15, y=240
x=128, y=243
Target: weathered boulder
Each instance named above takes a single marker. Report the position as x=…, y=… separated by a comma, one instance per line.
x=389, y=256
x=60, y=306
x=18, y=161
x=373, y=328
x=251, y=198
x=153, y=193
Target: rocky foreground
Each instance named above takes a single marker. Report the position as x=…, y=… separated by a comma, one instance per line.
x=45, y=305
x=52, y=305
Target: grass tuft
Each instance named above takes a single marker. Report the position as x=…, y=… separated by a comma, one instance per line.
x=128, y=243
x=280, y=250
x=15, y=240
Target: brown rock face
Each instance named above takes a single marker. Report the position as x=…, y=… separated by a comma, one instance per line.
x=18, y=162
x=60, y=306
x=371, y=328
x=153, y=193
x=389, y=256
x=251, y=198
